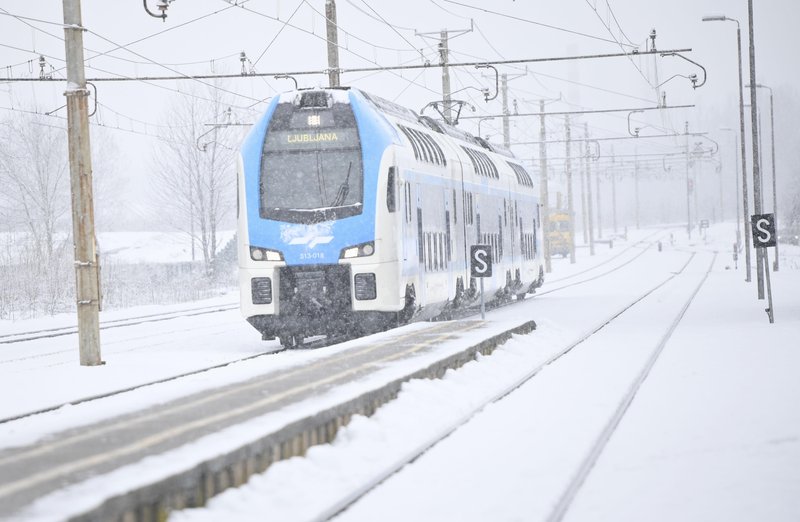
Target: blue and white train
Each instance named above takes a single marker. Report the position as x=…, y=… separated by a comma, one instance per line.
x=356, y=214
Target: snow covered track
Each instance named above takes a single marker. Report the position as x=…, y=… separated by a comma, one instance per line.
x=19, y=337
x=381, y=476
x=64, y=463
x=566, y=499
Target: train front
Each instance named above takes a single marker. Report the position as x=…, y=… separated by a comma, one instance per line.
x=309, y=259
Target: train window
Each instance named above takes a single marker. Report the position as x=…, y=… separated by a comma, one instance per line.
x=481, y=163
x=500, y=237
x=534, y=238
x=438, y=249
x=425, y=147
x=447, y=238
x=325, y=159
x=523, y=178
x=391, y=204
x=437, y=151
x=420, y=237
x=455, y=208
x=408, y=201
x=479, y=225
x=505, y=212
x=414, y=144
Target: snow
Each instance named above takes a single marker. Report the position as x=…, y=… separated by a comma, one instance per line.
x=713, y=433
x=150, y=247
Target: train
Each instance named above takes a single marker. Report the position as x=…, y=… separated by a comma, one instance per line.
x=356, y=214
x=559, y=235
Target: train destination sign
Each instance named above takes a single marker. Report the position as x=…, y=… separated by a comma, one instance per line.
x=480, y=257
x=763, y=230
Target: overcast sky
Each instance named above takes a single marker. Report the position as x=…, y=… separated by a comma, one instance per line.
x=207, y=36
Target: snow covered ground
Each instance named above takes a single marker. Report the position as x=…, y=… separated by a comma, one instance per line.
x=713, y=434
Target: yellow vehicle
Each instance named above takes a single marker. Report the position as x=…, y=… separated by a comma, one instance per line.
x=559, y=236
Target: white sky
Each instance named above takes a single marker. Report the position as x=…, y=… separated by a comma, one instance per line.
x=213, y=44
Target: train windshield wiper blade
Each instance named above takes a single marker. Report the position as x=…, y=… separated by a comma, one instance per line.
x=344, y=189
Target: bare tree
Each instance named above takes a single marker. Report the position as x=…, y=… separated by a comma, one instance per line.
x=195, y=175
x=34, y=172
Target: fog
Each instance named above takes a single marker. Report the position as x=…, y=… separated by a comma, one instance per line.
x=207, y=37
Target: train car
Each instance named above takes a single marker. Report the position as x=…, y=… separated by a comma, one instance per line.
x=559, y=236
x=356, y=214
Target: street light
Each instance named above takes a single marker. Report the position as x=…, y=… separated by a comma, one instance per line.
x=774, y=183
x=736, y=179
x=745, y=207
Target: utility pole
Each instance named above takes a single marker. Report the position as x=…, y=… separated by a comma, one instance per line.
x=543, y=187
x=444, y=60
x=333, y=43
x=756, y=167
x=584, y=214
x=504, y=90
x=599, y=207
x=745, y=203
x=589, y=190
x=636, y=181
x=774, y=182
x=688, y=185
x=613, y=191
x=444, y=63
x=570, y=206
x=87, y=269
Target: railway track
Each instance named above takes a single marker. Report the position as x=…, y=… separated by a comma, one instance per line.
x=643, y=244
x=33, y=335
x=588, y=461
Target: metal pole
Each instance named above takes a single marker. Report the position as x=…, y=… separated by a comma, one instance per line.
x=333, y=43
x=745, y=204
x=636, y=182
x=688, y=186
x=87, y=269
x=570, y=205
x=599, y=207
x=504, y=90
x=589, y=191
x=770, y=310
x=483, y=304
x=613, y=191
x=774, y=182
x=584, y=215
x=543, y=188
x=736, y=185
x=756, y=166
x=444, y=60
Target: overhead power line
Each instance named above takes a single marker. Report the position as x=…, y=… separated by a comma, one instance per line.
x=562, y=113
x=519, y=19
x=375, y=69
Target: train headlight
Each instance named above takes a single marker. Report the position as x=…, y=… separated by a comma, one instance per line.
x=265, y=254
x=362, y=250
x=365, y=289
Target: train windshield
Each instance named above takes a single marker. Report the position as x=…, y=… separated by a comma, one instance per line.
x=311, y=168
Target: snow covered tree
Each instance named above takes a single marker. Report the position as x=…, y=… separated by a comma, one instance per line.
x=195, y=175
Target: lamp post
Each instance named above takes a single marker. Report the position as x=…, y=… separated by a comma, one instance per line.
x=757, y=197
x=774, y=183
x=736, y=180
x=745, y=206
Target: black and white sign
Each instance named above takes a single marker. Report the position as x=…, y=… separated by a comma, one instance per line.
x=763, y=230
x=480, y=257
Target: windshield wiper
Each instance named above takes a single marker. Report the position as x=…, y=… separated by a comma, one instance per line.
x=344, y=189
